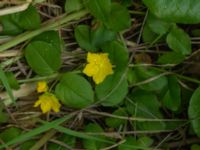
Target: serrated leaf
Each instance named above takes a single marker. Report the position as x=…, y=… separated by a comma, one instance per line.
x=179, y=41
x=43, y=58
x=178, y=11
x=194, y=111
x=71, y=92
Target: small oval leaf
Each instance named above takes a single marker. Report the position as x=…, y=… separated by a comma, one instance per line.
x=43, y=58
x=74, y=91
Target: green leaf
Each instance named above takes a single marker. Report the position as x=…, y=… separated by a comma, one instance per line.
x=99, y=8
x=9, y=134
x=73, y=5
x=51, y=37
x=118, y=55
x=83, y=37
x=27, y=145
x=6, y=84
x=113, y=90
x=9, y=27
x=195, y=147
x=3, y=116
x=145, y=104
x=178, y=11
x=67, y=139
x=157, y=25
x=12, y=80
x=35, y=131
x=119, y=18
x=145, y=141
x=43, y=58
x=71, y=92
x=93, y=144
x=179, y=41
x=145, y=74
x=28, y=19
x=148, y=35
x=101, y=35
x=172, y=98
x=130, y=141
x=116, y=122
x=194, y=111
x=171, y=58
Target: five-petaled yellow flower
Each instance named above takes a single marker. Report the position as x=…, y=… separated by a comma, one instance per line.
x=48, y=101
x=98, y=66
x=42, y=86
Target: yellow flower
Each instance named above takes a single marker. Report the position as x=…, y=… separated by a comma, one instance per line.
x=42, y=86
x=98, y=66
x=48, y=101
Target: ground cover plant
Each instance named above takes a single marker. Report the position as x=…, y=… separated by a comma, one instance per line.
x=99, y=74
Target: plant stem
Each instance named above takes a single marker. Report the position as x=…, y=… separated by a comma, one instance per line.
x=50, y=25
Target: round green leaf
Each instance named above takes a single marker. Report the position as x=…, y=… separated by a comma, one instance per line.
x=9, y=134
x=130, y=144
x=179, y=41
x=144, y=104
x=9, y=26
x=28, y=19
x=178, y=11
x=148, y=35
x=157, y=25
x=73, y=5
x=51, y=37
x=118, y=55
x=116, y=122
x=74, y=91
x=83, y=37
x=101, y=35
x=145, y=74
x=171, y=58
x=92, y=144
x=42, y=58
x=99, y=8
x=119, y=18
x=113, y=90
x=194, y=111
